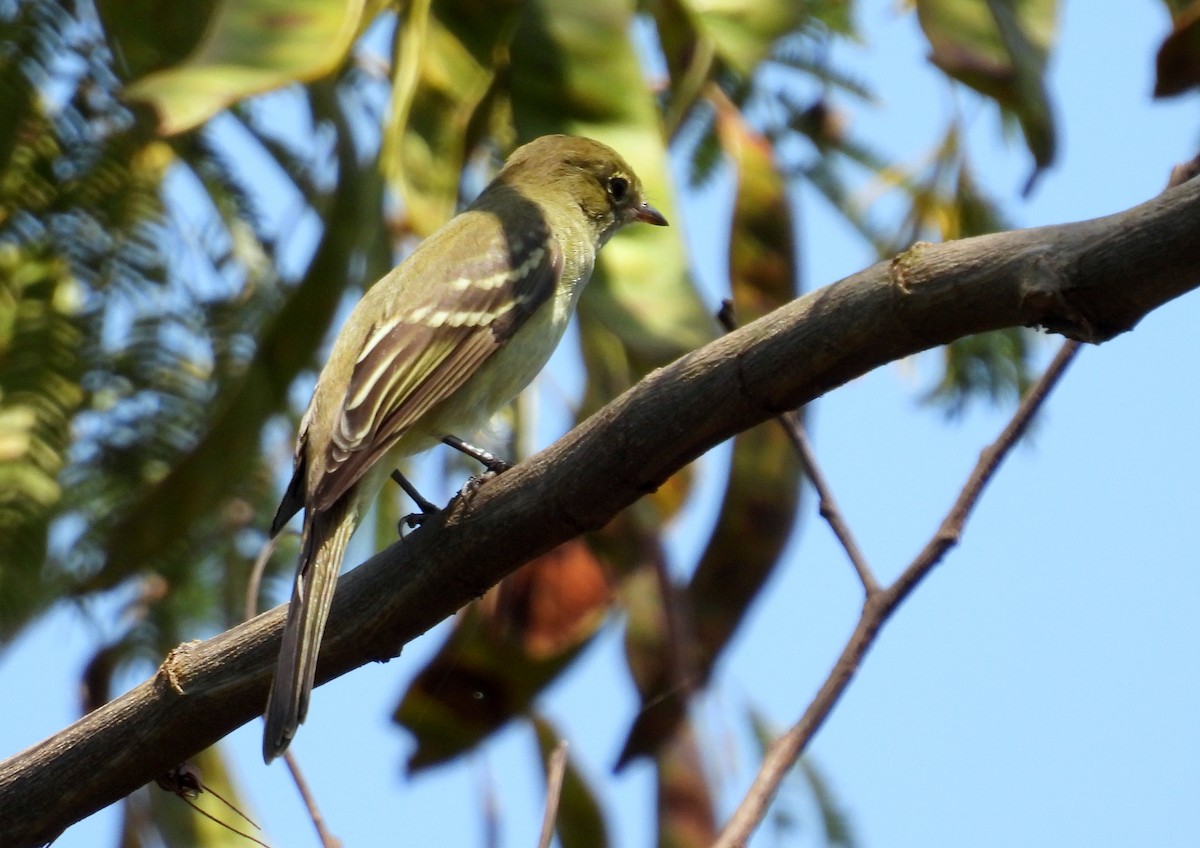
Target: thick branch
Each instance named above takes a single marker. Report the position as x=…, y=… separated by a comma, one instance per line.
x=1090, y=281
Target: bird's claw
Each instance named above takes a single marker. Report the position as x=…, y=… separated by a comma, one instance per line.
x=474, y=484
x=412, y=521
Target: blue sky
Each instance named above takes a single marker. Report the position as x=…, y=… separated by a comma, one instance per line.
x=1040, y=688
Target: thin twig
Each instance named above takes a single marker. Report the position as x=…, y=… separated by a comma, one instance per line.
x=950, y=531
x=783, y=753
x=827, y=504
x=254, y=584
x=556, y=770
x=328, y=840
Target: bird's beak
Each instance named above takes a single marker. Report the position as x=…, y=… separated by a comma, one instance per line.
x=649, y=215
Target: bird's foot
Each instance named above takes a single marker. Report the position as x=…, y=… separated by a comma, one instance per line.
x=471, y=487
x=476, y=483
x=414, y=519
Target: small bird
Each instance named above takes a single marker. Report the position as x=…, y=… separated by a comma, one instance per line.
x=435, y=348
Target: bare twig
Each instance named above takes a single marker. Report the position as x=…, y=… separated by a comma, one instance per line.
x=556, y=770
x=783, y=753
x=827, y=505
x=990, y=458
x=328, y=840
x=254, y=584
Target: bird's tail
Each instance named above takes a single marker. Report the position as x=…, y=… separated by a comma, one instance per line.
x=326, y=535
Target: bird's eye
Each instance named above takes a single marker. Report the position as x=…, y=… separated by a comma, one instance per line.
x=617, y=186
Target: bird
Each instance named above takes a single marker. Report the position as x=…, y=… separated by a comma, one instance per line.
x=432, y=350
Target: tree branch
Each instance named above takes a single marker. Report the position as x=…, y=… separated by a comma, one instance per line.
x=1089, y=281
x=880, y=604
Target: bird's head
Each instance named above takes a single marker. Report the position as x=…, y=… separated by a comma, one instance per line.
x=578, y=171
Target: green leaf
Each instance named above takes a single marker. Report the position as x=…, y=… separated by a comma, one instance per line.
x=992, y=365
x=250, y=46
x=655, y=664
x=999, y=48
x=835, y=824
x=834, y=821
x=80, y=213
x=40, y=370
x=446, y=60
x=703, y=39
x=743, y=31
x=149, y=35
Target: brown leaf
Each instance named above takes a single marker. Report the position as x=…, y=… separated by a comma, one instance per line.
x=1177, y=66
x=552, y=604
x=503, y=651
x=761, y=492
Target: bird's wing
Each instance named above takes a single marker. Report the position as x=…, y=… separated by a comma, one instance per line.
x=424, y=352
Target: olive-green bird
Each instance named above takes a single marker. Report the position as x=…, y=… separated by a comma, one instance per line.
x=433, y=349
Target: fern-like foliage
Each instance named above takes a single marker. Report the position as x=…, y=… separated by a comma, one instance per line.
x=134, y=280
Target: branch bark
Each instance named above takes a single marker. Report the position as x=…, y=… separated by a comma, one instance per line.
x=1088, y=281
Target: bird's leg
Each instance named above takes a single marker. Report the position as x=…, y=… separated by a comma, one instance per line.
x=489, y=461
x=427, y=507
x=492, y=464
